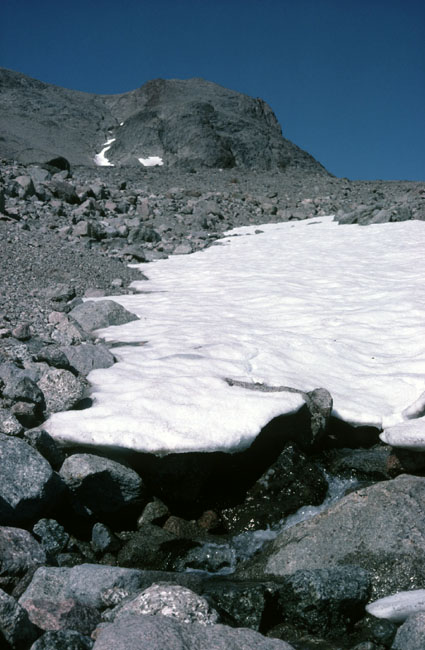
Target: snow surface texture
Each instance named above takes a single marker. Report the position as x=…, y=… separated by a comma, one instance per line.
x=398, y=607
x=151, y=161
x=302, y=304
x=100, y=158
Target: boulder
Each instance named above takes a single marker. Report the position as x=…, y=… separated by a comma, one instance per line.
x=87, y=357
x=52, y=536
x=9, y=424
x=379, y=528
x=93, y=315
x=152, y=547
x=411, y=635
x=51, y=606
x=61, y=390
x=160, y=632
x=63, y=190
x=15, y=627
x=97, y=586
x=19, y=553
x=28, y=485
x=63, y=640
x=290, y=482
x=101, y=486
x=170, y=600
x=43, y=442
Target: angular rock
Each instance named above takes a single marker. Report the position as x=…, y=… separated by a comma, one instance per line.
x=28, y=485
x=94, y=585
x=43, y=442
x=63, y=640
x=411, y=635
x=379, y=528
x=160, y=632
x=93, y=315
x=50, y=605
x=19, y=552
x=168, y=600
x=9, y=425
x=26, y=186
x=152, y=547
x=61, y=390
x=87, y=357
x=64, y=191
x=54, y=356
x=53, y=537
x=101, y=486
x=290, y=482
x=15, y=627
x=103, y=539
x=324, y=601
x=241, y=604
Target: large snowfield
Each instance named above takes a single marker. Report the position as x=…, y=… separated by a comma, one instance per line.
x=303, y=304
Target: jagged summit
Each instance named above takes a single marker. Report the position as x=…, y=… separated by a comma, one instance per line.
x=189, y=123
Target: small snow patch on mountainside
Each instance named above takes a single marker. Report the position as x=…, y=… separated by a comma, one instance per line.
x=151, y=161
x=100, y=158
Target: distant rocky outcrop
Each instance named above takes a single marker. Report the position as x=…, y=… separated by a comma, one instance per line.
x=189, y=123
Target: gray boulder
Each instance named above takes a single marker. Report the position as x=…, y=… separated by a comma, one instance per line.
x=63, y=640
x=160, y=632
x=93, y=315
x=9, y=425
x=25, y=186
x=43, y=442
x=97, y=586
x=19, y=553
x=101, y=486
x=379, y=528
x=15, y=627
x=61, y=390
x=28, y=485
x=411, y=635
x=63, y=190
x=87, y=357
x=51, y=606
x=53, y=537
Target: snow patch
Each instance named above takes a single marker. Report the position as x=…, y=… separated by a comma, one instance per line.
x=338, y=307
x=100, y=159
x=398, y=607
x=151, y=161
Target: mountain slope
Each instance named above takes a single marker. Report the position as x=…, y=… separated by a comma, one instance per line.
x=189, y=123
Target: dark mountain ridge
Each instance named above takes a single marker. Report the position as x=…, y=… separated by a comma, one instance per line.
x=190, y=123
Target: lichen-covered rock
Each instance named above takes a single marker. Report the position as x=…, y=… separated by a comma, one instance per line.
x=61, y=390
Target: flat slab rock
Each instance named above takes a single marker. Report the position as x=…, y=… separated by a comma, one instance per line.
x=160, y=632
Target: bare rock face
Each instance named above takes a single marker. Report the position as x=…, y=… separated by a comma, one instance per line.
x=188, y=123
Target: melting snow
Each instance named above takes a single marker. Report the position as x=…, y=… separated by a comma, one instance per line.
x=152, y=161
x=305, y=304
x=100, y=158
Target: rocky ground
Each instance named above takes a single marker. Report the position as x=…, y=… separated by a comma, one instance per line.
x=88, y=543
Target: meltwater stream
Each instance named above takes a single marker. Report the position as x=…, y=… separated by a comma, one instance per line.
x=222, y=559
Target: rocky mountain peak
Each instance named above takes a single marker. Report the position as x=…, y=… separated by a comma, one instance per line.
x=190, y=123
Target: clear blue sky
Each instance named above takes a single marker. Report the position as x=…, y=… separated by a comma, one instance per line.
x=346, y=78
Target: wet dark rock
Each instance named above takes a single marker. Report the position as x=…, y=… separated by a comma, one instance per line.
x=377, y=463
x=244, y=604
x=324, y=601
x=15, y=627
x=102, y=487
x=51, y=535
x=102, y=313
x=289, y=483
x=28, y=485
x=63, y=640
x=152, y=547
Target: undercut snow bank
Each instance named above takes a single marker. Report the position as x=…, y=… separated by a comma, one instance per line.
x=306, y=304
